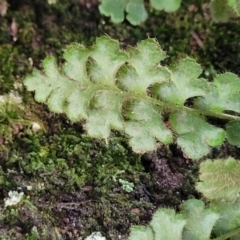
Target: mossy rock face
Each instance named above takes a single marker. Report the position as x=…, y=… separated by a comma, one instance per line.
x=65, y=175
x=70, y=182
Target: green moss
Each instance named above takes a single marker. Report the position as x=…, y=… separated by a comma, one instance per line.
x=74, y=159
x=71, y=161
x=7, y=53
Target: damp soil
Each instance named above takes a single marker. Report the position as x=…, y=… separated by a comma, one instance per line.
x=70, y=182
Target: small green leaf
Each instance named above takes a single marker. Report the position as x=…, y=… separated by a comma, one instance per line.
x=37, y=81
x=62, y=91
x=166, y=224
x=143, y=69
x=51, y=87
x=105, y=115
x=141, y=233
x=166, y=5
x=229, y=218
x=232, y=131
x=78, y=102
x=145, y=127
x=76, y=57
x=108, y=58
x=220, y=10
x=220, y=179
x=224, y=94
x=114, y=9
x=136, y=12
x=195, y=134
x=184, y=83
x=200, y=221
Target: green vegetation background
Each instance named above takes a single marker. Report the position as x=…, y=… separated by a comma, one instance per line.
x=75, y=180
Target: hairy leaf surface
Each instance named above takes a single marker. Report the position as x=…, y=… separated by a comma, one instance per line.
x=229, y=218
x=145, y=127
x=195, y=134
x=184, y=83
x=224, y=94
x=143, y=69
x=129, y=90
x=233, y=133
x=195, y=221
x=220, y=179
x=108, y=58
x=200, y=221
x=105, y=115
x=141, y=233
x=166, y=224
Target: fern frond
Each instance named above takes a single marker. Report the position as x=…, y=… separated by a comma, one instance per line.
x=130, y=90
x=195, y=221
